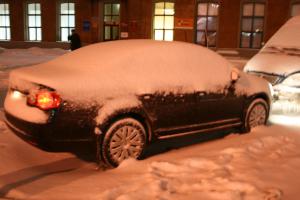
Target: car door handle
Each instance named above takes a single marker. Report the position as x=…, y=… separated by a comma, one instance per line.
x=201, y=94
x=147, y=97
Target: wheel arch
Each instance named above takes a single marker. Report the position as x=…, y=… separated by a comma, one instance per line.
x=263, y=96
x=248, y=103
x=251, y=98
x=135, y=113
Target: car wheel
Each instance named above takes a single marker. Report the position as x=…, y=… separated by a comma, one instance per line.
x=125, y=138
x=256, y=115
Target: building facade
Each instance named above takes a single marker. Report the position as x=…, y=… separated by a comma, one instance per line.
x=244, y=24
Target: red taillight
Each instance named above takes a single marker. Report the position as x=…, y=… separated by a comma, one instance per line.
x=45, y=100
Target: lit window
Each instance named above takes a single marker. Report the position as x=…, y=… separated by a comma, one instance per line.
x=4, y=22
x=295, y=9
x=67, y=20
x=111, y=21
x=207, y=23
x=163, y=23
x=252, y=25
x=34, y=24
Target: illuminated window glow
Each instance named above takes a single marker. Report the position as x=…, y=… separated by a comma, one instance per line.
x=252, y=26
x=4, y=22
x=207, y=24
x=67, y=20
x=34, y=24
x=163, y=22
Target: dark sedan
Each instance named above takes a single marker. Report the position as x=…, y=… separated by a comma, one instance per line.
x=122, y=95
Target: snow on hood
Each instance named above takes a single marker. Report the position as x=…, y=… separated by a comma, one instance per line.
x=110, y=69
x=281, y=54
x=250, y=84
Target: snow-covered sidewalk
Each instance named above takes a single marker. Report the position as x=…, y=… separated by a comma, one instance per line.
x=11, y=58
x=262, y=165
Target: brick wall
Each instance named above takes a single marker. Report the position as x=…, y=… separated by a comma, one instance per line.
x=277, y=14
x=17, y=23
x=136, y=19
x=229, y=24
x=184, y=9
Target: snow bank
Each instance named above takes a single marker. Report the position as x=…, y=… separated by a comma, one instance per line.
x=10, y=58
x=262, y=165
x=231, y=173
x=281, y=54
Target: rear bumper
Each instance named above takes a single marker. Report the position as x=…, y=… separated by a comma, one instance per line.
x=29, y=132
x=61, y=134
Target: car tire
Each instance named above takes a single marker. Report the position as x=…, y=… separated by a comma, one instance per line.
x=125, y=138
x=257, y=114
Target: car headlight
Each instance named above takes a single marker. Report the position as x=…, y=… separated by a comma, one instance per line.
x=289, y=87
x=271, y=89
x=292, y=80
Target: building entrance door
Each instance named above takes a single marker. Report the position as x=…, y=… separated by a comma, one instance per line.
x=111, y=21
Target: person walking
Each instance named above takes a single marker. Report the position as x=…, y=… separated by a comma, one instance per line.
x=74, y=39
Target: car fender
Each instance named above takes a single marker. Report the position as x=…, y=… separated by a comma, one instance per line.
x=121, y=107
x=251, y=98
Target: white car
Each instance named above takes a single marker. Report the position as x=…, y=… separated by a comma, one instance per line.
x=279, y=61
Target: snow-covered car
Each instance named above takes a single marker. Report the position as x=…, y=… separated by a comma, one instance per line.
x=279, y=61
x=122, y=95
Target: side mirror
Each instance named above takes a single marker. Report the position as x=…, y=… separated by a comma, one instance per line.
x=235, y=75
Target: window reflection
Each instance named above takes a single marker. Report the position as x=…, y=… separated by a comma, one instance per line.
x=259, y=10
x=111, y=21
x=212, y=23
x=207, y=23
x=248, y=9
x=201, y=23
x=213, y=9
x=247, y=25
x=295, y=10
x=252, y=25
x=257, y=39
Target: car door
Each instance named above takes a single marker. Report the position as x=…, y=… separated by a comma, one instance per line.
x=170, y=112
x=218, y=108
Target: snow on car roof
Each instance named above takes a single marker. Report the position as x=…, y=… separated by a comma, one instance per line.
x=130, y=66
x=281, y=54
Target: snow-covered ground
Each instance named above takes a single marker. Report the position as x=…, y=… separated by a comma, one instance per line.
x=262, y=165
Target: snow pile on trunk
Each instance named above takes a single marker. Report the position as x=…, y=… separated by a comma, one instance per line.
x=281, y=54
x=237, y=172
